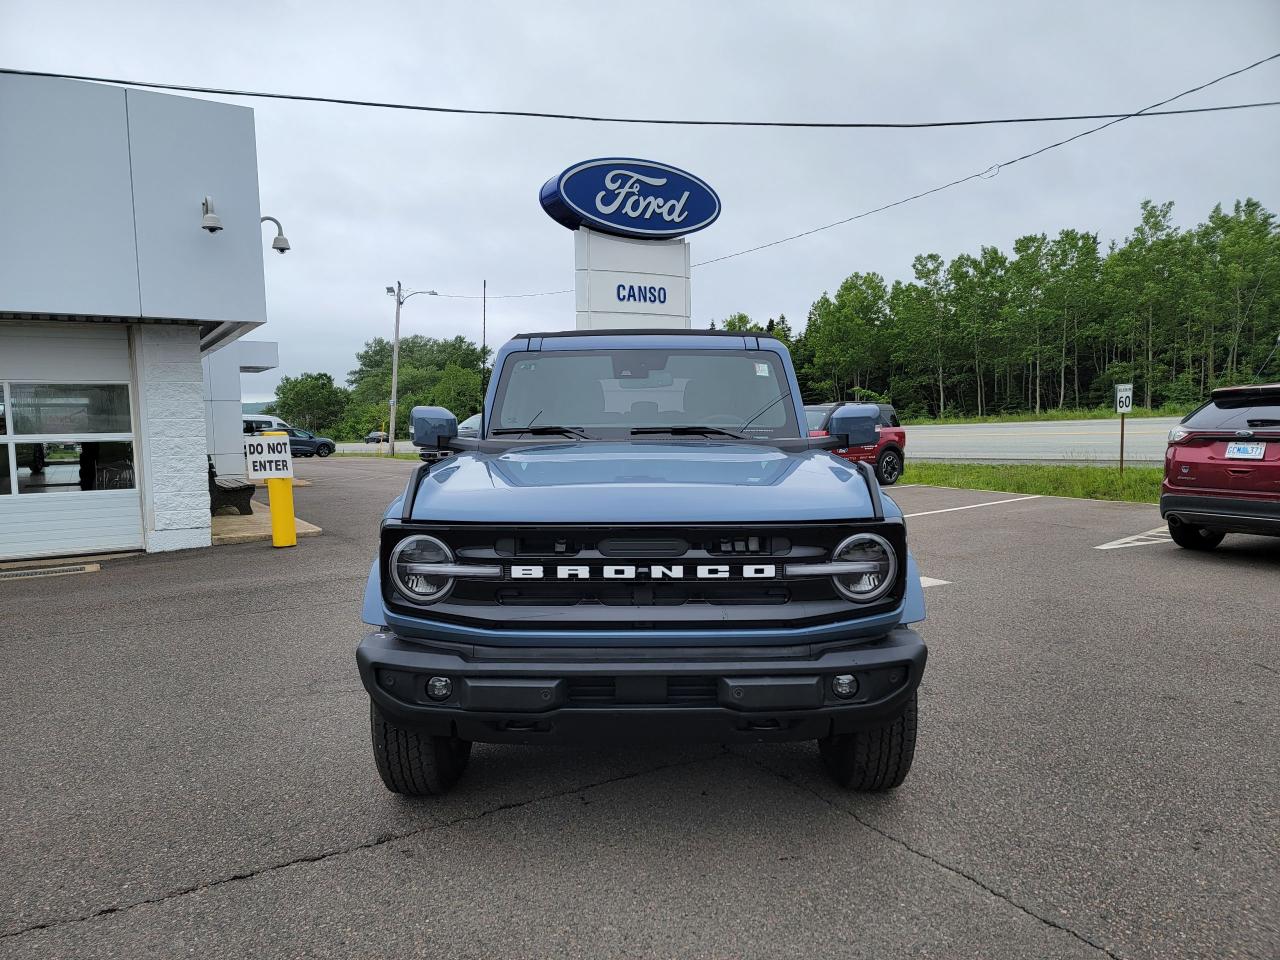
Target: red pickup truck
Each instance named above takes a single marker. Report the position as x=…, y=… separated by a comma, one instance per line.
x=887, y=454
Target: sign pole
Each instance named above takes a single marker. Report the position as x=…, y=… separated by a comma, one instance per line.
x=284, y=528
x=1122, y=444
x=1124, y=404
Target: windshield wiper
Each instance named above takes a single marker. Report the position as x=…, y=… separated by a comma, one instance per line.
x=687, y=429
x=540, y=430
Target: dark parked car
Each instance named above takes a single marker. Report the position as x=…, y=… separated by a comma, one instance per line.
x=887, y=454
x=304, y=443
x=1222, y=468
x=375, y=436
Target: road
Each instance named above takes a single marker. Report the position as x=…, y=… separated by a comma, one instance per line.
x=1049, y=441
x=188, y=770
x=1077, y=441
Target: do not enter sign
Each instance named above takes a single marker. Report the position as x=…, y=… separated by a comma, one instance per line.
x=268, y=457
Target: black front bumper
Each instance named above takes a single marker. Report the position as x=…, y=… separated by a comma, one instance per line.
x=1228, y=514
x=560, y=695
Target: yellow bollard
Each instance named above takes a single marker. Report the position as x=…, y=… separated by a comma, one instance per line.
x=284, y=529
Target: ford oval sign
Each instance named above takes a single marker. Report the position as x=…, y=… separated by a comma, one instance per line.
x=630, y=198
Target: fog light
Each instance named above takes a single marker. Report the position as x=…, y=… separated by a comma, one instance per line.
x=844, y=686
x=439, y=688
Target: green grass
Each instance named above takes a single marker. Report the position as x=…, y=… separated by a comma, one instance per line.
x=1026, y=416
x=1137, y=485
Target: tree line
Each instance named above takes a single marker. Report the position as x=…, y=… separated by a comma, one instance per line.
x=447, y=373
x=1052, y=324
x=1055, y=322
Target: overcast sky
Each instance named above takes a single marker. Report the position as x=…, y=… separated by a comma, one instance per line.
x=371, y=196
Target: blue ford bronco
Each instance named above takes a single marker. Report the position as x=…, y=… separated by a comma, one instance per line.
x=642, y=542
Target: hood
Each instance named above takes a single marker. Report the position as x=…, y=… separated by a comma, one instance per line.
x=602, y=482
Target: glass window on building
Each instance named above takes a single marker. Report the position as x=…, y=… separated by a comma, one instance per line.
x=69, y=408
x=63, y=438
x=66, y=467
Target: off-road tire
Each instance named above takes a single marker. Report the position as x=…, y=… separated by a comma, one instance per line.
x=889, y=467
x=875, y=759
x=323, y=450
x=416, y=764
x=1195, y=538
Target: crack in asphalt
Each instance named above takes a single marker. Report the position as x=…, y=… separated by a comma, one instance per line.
x=321, y=857
x=934, y=860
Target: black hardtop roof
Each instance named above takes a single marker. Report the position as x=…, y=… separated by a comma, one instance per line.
x=675, y=331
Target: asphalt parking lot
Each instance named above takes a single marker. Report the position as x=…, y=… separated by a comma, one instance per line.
x=187, y=770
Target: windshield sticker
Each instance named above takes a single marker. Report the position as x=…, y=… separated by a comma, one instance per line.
x=762, y=369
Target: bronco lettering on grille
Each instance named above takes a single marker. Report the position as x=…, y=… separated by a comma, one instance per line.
x=678, y=571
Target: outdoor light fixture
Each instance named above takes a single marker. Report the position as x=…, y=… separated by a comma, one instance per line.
x=401, y=296
x=281, y=243
x=211, y=222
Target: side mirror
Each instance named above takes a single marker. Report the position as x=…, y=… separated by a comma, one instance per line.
x=856, y=423
x=432, y=427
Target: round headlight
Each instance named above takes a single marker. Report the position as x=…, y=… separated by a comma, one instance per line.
x=881, y=567
x=411, y=572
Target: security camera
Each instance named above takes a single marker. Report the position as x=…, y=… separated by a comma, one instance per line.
x=210, y=222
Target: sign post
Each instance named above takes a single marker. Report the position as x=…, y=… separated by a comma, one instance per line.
x=1124, y=405
x=268, y=457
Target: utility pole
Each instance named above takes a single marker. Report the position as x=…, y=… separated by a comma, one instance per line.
x=395, y=374
x=484, y=310
x=398, y=292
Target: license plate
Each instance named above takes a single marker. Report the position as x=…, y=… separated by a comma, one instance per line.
x=1246, y=451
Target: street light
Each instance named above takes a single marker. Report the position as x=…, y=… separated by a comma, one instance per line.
x=401, y=296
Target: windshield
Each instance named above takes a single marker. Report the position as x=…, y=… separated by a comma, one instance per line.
x=816, y=416
x=1234, y=414
x=609, y=393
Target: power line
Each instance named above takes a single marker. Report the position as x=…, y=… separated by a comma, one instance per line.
x=501, y=296
x=994, y=169
x=587, y=118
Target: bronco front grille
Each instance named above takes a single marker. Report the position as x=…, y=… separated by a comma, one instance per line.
x=640, y=577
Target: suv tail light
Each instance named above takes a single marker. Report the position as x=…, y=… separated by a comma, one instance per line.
x=1178, y=434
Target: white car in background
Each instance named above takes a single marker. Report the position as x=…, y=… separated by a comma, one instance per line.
x=260, y=422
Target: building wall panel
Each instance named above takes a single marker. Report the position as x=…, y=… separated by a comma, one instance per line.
x=66, y=204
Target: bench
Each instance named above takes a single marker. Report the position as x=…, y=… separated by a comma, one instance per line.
x=225, y=492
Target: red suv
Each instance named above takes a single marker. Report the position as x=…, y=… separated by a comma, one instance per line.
x=887, y=454
x=1222, y=468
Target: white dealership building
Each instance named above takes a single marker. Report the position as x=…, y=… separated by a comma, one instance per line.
x=121, y=312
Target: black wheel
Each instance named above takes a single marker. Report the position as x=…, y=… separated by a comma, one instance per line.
x=1193, y=537
x=875, y=759
x=889, y=467
x=416, y=764
x=324, y=450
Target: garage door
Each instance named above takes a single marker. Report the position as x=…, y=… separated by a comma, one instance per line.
x=68, y=474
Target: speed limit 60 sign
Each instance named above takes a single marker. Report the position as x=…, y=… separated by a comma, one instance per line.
x=1124, y=398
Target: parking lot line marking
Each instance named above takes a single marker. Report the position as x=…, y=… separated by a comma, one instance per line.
x=972, y=506
x=931, y=582
x=1158, y=535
